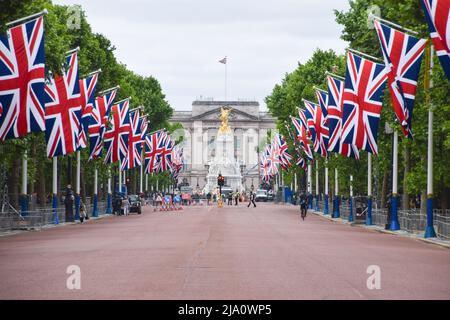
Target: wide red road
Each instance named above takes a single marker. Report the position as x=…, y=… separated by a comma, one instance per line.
x=231, y=253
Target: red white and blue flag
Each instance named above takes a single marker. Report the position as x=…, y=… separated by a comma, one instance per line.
x=362, y=101
x=63, y=103
x=437, y=15
x=281, y=146
x=133, y=158
x=402, y=56
x=116, y=137
x=164, y=158
x=302, y=134
x=317, y=127
x=177, y=161
x=301, y=162
x=335, y=93
x=154, y=146
x=144, y=127
x=97, y=124
x=22, y=80
x=87, y=88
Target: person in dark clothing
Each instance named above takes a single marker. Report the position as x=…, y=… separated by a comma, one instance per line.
x=252, y=199
x=303, y=205
x=230, y=198
x=208, y=198
x=68, y=202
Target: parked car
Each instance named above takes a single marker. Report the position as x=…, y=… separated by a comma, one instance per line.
x=135, y=203
x=261, y=195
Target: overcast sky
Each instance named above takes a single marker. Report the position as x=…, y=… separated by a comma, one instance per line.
x=181, y=41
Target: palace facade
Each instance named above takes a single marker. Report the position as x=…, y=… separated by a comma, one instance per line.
x=200, y=127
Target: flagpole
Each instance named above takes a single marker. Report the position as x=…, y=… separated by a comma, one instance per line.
x=55, y=190
x=108, y=90
x=109, y=197
x=369, y=190
x=392, y=24
x=141, y=179
x=429, y=231
x=325, y=209
x=394, y=218
x=317, y=186
x=365, y=55
x=120, y=178
x=350, y=200
x=77, y=188
x=310, y=186
x=45, y=11
x=24, y=196
x=95, y=205
x=226, y=77
x=336, y=194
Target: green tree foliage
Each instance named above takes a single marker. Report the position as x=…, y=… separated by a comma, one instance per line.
x=96, y=52
x=298, y=84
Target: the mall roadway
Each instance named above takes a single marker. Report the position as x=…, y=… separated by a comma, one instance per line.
x=230, y=253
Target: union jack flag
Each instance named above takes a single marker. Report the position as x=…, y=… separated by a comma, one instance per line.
x=301, y=162
x=177, y=161
x=116, y=137
x=402, y=56
x=154, y=146
x=318, y=128
x=22, y=80
x=87, y=88
x=280, y=145
x=164, y=158
x=362, y=101
x=302, y=134
x=437, y=14
x=63, y=110
x=133, y=158
x=144, y=128
x=335, y=93
x=97, y=123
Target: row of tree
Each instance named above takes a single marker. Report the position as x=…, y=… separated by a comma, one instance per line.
x=298, y=84
x=66, y=27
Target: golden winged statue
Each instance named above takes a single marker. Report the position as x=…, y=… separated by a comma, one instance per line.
x=224, y=127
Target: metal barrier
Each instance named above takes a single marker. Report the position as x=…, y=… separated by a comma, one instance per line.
x=40, y=217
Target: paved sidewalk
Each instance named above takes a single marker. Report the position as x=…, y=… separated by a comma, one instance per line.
x=416, y=236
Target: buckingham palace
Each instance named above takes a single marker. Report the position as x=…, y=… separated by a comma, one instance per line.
x=249, y=128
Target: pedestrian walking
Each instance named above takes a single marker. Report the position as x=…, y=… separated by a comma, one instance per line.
x=251, y=199
x=208, y=198
x=230, y=198
x=68, y=202
x=303, y=205
x=236, y=197
x=83, y=212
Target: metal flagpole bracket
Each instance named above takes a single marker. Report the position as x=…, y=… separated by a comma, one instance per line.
x=45, y=11
x=319, y=89
x=372, y=16
x=108, y=90
x=364, y=54
x=93, y=72
x=129, y=98
x=334, y=75
x=72, y=51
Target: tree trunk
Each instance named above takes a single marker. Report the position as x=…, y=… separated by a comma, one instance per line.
x=423, y=202
x=407, y=163
x=41, y=192
x=13, y=182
